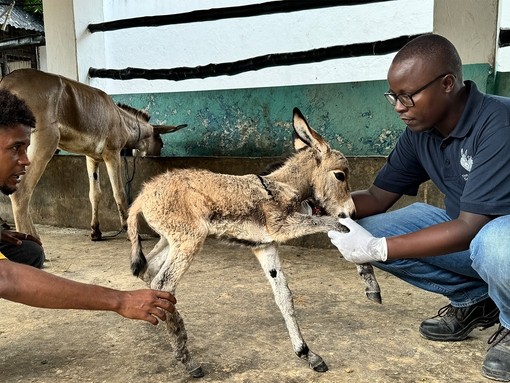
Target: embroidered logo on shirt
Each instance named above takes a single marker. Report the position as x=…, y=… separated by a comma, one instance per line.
x=466, y=161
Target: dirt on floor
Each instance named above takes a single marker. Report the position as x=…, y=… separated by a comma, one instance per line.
x=235, y=329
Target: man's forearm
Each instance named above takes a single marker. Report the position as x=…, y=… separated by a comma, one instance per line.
x=30, y=286
x=444, y=238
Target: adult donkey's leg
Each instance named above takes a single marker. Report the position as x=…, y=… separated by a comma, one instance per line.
x=114, y=168
x=42, y=148
x=94, y=197
x=270, y=262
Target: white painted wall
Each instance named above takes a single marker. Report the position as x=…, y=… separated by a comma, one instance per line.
x=503, y=54
x=229, y=40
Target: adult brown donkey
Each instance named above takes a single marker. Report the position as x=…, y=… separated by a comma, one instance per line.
x=185, y=206
x=79, y=119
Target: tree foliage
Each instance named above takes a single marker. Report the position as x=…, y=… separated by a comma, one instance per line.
x=32, y=6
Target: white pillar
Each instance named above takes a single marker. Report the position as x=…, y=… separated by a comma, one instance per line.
x=471, y=25
x=60, y=37
x=70, y=47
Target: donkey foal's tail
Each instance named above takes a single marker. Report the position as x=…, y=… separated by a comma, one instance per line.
x=138, y=260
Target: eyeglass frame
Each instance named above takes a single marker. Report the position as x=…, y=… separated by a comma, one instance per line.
x=392, y=97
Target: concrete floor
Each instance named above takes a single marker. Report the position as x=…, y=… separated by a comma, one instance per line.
x=235, y=329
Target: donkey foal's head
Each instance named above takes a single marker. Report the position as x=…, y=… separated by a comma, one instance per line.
x=327, y=171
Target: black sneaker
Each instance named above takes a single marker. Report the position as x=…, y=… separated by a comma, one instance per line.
x=455, y=323
x=497, y=362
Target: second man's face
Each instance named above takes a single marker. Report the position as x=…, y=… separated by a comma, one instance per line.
x=14, y=142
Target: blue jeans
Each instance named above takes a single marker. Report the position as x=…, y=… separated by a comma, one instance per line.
x=466, y=277
x=29, y=252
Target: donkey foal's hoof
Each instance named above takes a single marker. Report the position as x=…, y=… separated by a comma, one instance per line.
x=321, y=367
x=374, y=297
x=197, y=372
x=316, y=363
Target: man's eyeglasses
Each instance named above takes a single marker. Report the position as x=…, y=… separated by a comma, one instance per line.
x=407, y=99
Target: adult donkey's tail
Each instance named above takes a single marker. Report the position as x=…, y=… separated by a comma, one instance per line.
x=138, y=260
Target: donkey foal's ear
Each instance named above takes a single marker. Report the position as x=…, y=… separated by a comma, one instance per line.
x=305, y=136
x=300, y=125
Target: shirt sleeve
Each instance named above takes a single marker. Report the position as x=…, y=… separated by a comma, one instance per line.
x=2, y=256
x=403, y=172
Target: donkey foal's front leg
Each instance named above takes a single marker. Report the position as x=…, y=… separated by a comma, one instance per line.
x=372, y=289
x=299, y=224
x=270, y=262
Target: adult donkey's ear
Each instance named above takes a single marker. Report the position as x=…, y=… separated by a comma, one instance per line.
x=163, y=129
x=304, y=136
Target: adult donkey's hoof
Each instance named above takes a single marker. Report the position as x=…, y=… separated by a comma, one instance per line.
x=95, y=234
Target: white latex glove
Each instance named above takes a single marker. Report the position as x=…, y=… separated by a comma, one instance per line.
x=358, y=245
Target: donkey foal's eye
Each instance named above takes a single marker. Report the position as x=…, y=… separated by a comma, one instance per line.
x=340, y=176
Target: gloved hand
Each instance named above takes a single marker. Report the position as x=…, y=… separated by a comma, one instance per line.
x=358, y=245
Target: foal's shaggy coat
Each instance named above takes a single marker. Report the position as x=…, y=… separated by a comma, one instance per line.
x=185, y=206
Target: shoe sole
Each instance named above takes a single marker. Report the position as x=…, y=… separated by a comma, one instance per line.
x=464, y=333
x=496, y=375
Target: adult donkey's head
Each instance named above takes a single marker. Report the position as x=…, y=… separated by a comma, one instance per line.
x=145, y=138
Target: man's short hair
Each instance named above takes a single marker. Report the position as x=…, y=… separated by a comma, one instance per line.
x=435, y=49
x=14, y=110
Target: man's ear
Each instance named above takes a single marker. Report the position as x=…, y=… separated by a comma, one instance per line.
x=449, y=83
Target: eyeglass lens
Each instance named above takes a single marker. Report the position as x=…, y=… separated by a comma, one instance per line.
x=407, y=99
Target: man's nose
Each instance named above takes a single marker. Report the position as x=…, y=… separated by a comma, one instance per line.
x=23, y=159
x=399, y=107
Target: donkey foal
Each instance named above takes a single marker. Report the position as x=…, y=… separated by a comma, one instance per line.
x=185, y=206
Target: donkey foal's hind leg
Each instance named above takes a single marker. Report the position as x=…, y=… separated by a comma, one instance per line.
x=179, y=341
x=270, y=262
x=173, y=268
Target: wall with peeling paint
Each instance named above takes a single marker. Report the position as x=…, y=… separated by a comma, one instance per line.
x=354, y=117
x=249, y=114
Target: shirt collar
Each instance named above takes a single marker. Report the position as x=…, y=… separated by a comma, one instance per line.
x=471, y=110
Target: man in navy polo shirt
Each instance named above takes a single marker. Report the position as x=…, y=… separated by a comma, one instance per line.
x=460, y=139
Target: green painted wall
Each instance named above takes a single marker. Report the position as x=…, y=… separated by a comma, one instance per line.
x=502, y=84
x=354, y=117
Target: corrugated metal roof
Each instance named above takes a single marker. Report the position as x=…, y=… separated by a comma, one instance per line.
x=20, y=19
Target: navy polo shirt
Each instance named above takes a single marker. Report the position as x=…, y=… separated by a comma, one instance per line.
x=471, y=167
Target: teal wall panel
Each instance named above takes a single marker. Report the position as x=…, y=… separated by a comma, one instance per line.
x=502, y=83
x=258, y=122
x=354, y=117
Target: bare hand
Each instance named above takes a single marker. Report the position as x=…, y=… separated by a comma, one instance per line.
x=15, y=237
x=148, y=305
